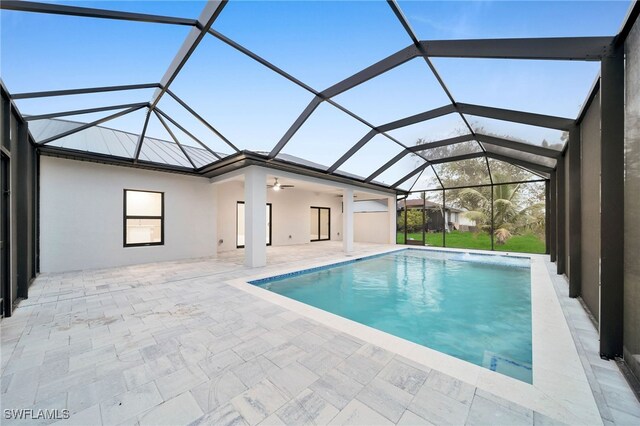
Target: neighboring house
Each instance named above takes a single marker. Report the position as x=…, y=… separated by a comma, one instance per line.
x=456, y=220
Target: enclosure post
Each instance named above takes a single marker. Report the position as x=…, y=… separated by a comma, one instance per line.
x=553, y=216
x=255, y=217
x=424, y=218
x=547, y=218
x=492, y=223
x=612, y=204
x=575, y=212
x=404, y=213
x=444, y=219
x=347, y=220
x=560, y=217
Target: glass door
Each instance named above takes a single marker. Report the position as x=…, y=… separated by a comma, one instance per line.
x=240, y=233
x=320, y=224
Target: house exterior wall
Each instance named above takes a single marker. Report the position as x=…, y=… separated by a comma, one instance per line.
x=290, y=214
x=631, y=337
x=81, y=215
x=372, y=227
x=590, y=200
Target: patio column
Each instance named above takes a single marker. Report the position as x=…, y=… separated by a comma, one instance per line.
x=391, y=202
x=347, y=220
x=255, y=217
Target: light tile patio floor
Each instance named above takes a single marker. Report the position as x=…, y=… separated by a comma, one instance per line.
x=171, y=343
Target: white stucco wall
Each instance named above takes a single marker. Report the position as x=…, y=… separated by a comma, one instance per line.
x=291, y=214
x=81, y=215
x=371, y=227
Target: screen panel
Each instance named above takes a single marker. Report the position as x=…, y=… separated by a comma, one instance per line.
x=370, y=157
x=468, y=218
x=408, y=89
x=325, y=136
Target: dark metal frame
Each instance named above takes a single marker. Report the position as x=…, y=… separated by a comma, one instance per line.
x=126, y=217
x=320, y=223
x=612, y=204
x=603, y=49
x=491, y=185
x=576, y=48
x=270, y=205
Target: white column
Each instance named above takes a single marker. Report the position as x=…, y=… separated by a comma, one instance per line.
x=255, y=217
x=347, y=220
x=391, y=202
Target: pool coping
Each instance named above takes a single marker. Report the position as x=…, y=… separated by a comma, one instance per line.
x=560, y=387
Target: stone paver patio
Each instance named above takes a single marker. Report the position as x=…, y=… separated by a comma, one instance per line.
x=172, y=343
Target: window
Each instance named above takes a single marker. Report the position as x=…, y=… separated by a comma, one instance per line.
x=240, y=224
x=320, y=224
x=143, y=218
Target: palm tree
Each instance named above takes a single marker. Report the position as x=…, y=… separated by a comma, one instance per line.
x=508, y=217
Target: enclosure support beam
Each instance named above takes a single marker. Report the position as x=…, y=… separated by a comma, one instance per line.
x=386, y=165
x=136, y=155
x=553, y=223
x=575, y=212
x=70, y=92
x=255, y=217
x=547, y=217
x=58, y=9
x=83, y=111
x=556, y=48
x=612, y=204
x=347, y=220
x=366, y=138
x=521, y=117
x=92, y=124
x=304, y=116
x=560, y=218
x=493, y=226
x=208, y=16
x=520, y=146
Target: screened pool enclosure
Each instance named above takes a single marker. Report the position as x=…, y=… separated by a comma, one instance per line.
x=475, y=128
x=435, y=115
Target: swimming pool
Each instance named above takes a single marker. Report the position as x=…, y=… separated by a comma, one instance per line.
x=472, y=306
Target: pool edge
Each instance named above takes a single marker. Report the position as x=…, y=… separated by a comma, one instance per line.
x=557, y=391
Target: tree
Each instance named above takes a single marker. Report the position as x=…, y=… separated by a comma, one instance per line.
x=517, y=208
x=414, y=220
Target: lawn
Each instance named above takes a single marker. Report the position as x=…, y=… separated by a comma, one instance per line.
x=518, y=243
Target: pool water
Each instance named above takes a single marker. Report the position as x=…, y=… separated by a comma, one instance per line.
x=473, y=307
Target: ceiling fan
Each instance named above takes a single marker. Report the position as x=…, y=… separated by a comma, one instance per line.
x=277, y=186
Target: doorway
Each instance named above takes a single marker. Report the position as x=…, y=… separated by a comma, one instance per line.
x=320, y=229
x=240, y=224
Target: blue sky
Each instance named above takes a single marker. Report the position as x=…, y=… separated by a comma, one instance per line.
x=317, y=42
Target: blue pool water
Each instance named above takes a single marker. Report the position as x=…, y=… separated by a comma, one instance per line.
x=474, y=307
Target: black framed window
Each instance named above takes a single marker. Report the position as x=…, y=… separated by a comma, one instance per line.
x=320, y=221
x=143, y=218
x=240, y=235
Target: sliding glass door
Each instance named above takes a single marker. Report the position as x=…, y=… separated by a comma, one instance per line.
x=240, y=224
x=320, y=229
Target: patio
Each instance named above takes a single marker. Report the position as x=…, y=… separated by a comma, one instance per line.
x=173, y=343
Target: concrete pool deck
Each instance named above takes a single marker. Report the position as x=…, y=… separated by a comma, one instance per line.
x=182, y=342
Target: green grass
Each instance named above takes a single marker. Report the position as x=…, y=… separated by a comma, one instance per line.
x=518, y=243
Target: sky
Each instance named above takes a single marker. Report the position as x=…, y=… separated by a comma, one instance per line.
x=319, y=43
